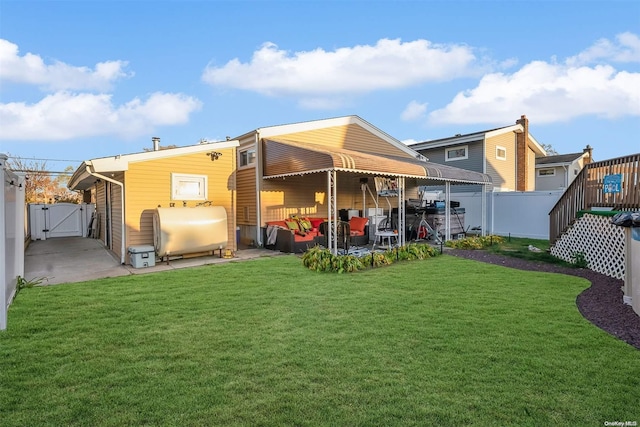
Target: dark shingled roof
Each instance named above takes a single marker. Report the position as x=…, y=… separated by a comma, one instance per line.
x=560, y=158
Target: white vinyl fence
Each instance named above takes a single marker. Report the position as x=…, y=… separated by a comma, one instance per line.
x=60, y=220
x=515, y=213
x=12, y=229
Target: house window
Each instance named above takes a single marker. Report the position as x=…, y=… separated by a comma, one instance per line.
x=456, y=153
x=247, y=157
x=188, y=187
x=547, y=172
x=501, y=153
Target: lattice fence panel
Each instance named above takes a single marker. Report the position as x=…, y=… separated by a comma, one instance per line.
x=601, y=242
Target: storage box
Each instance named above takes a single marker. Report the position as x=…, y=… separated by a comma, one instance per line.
x=142, y=256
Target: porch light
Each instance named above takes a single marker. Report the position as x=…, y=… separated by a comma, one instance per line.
x=214, y=155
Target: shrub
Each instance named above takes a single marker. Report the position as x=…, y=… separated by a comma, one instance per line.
x=474, y=242
x=320, y=259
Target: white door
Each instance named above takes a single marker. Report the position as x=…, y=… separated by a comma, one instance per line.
x=60, y=220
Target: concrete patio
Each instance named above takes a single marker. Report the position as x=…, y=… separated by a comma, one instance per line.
x=77, y=259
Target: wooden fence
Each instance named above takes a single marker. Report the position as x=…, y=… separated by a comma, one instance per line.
x=587, y=191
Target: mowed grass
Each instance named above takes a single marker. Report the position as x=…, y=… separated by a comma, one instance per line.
x=518, y=247
x=445, y=341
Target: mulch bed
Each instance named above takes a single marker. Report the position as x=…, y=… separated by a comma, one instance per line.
x=601, y=304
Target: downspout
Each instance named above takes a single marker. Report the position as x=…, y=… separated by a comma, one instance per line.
x=483, y=221
x=258, y=190
x=493, y=212
x=113, y=181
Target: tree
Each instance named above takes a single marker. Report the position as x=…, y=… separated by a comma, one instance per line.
x=549, y=149
x=40, y=186
x=62, y=193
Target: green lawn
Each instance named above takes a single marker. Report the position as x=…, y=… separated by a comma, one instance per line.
x=518, y=247
x=445, y=341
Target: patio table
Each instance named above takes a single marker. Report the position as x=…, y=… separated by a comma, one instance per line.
x=388, y=235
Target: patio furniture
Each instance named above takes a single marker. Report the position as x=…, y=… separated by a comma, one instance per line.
x=289, y=242
x=390, y=236
x=288, y=237
x=343, y=236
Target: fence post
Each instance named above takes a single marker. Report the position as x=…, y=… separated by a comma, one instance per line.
x=19, y=225
x=12, y=197
x=4, y=304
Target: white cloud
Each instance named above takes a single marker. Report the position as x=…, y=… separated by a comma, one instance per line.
x=414, y=111
x=389, y=64
x=31, y=69
x=625, y=49
x=546, y=93
x=65, y=115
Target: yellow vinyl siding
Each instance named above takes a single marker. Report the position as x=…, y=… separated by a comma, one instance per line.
x=246, y=196
x=502, y=172
x=300, y=195
x=306, y=195
x=351, y=137
x=148, y=185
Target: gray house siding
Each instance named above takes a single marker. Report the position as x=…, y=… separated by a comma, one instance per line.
x=474, y=162
x=551, y=182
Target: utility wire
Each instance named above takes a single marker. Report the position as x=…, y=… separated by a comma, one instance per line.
x=45, y=160
x=42, y=172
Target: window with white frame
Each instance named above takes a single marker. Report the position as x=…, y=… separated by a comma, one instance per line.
x=547, y=172
x=501, y=153
x=456, y=153
x=188, y=187
x=247, y=157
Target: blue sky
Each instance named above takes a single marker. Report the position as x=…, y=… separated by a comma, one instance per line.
x=80, y=80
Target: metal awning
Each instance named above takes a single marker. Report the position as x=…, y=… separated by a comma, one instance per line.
x=284, y=158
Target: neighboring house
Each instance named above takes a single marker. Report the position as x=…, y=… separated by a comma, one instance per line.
x=128, y=189
x=320, y=167
x=558, y=171
x=507, y=154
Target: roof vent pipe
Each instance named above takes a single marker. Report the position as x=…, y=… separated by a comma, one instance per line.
x=156, y=143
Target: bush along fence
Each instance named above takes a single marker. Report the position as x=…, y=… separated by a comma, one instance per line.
x=321, y=259
x=475, y=242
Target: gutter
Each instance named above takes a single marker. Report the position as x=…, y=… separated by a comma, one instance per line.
x=113, y=181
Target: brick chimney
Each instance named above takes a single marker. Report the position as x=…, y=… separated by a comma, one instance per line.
x=522, y=149
x=589, y=150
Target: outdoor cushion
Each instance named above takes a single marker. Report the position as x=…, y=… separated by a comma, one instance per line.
x=293, y=225
x=315, y=222
x=305, y=224
x=357, y=224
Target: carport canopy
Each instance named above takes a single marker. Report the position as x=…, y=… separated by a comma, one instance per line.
x=283, y=158
x=288, y=158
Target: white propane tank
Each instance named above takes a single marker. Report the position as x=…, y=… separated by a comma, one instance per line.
x=179, y=231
